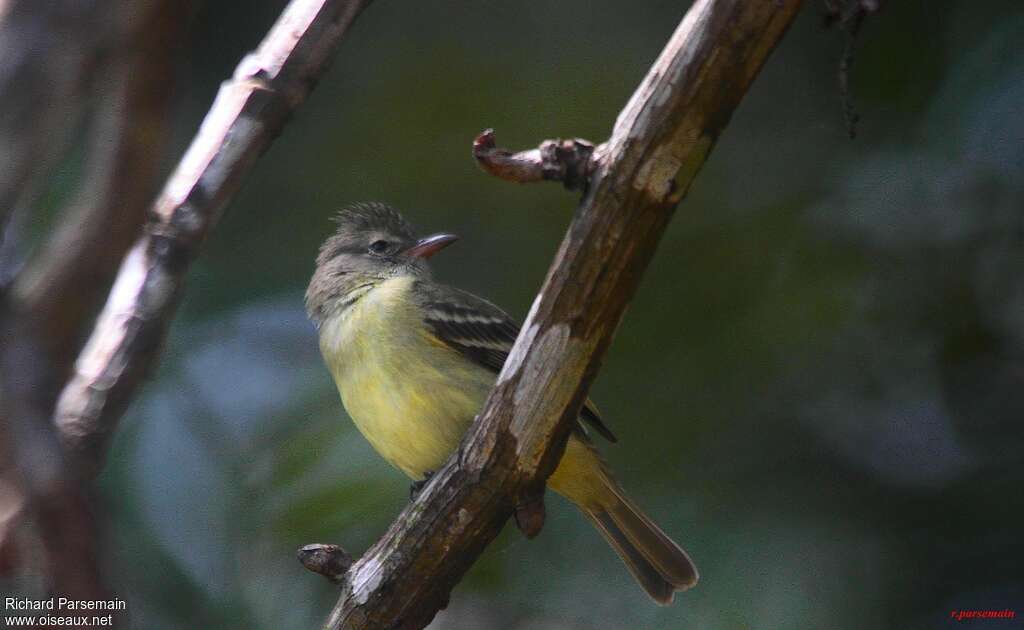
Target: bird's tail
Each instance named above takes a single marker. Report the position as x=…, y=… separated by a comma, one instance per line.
x=659, y=565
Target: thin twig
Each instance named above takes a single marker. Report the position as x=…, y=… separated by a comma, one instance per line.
x=330, y=561
x=249, y=112
x=566, y=161
x=658, y=144
x=845, y=65
x=850, y=15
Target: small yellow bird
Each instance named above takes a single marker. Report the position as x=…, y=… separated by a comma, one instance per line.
x=414, y=361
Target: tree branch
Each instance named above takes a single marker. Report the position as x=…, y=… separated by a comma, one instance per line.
x=65, y=282
x=566, y=161
x=249, y=112
x=40, y=489
x=49, y=50
x=659, y=142
x=63, y=52
x=330, y=561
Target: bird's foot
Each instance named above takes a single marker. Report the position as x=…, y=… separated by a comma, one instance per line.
x=530, y=515
x=417, y=486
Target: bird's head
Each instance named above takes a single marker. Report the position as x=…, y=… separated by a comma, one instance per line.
x=373, y=243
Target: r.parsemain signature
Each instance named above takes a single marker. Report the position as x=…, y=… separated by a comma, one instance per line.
x=960, y=615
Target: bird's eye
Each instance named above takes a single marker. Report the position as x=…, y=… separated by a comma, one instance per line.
x=379, y=247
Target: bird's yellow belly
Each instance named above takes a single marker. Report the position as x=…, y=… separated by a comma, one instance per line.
x=411, y=412
x=411, y=396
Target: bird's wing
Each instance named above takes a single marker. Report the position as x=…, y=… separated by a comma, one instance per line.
x=483, y=333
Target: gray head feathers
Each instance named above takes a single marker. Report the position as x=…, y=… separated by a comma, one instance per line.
x=357, y=220
x=373, y=215
x=365, y=249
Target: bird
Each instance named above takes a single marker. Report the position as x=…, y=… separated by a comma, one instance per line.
x=414, y=360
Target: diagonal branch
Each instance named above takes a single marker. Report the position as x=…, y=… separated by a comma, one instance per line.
x=249, y=112
x=659, y=142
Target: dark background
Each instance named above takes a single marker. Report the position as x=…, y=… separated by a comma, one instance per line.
x=818, y=388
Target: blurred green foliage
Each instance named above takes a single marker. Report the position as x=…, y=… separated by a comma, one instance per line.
x=818, y=388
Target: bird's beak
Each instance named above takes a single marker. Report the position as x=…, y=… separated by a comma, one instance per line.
x=430, y=245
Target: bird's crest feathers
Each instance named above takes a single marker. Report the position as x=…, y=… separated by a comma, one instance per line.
x=363, y=216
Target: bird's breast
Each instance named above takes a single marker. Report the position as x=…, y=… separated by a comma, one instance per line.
x=410, y=395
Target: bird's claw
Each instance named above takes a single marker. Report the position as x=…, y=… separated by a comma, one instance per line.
x=417, y=486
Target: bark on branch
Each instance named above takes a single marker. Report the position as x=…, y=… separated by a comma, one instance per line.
x=49, y=51
x=659, y=142
x=66, y=281
x=249, y=112
x=58, y=55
